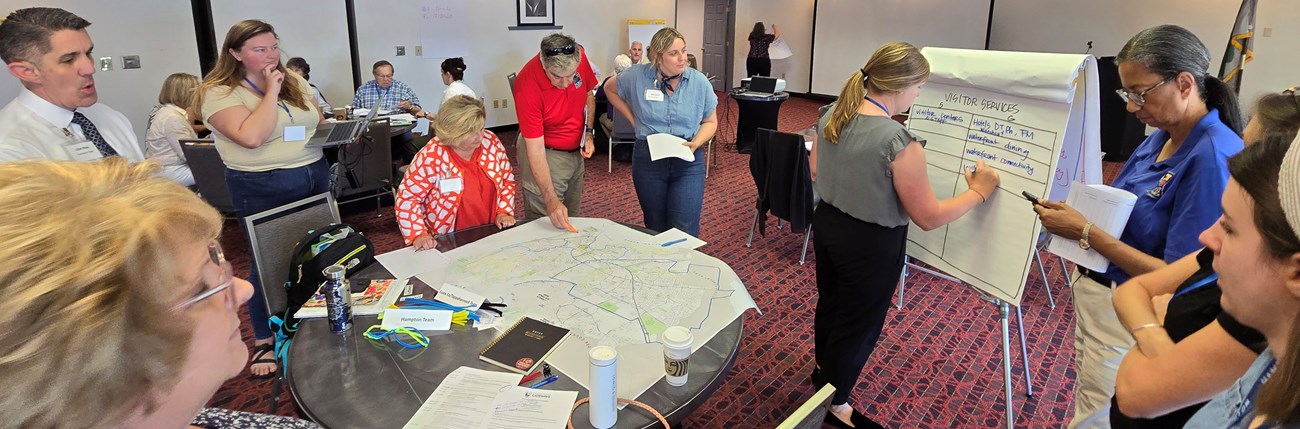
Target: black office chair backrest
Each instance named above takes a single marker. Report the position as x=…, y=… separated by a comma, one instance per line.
x=623, y=128
x=273, y=235
x=209, y=173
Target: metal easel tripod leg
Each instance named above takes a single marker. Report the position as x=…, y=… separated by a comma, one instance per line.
x=902, y=278
x=1004, y=315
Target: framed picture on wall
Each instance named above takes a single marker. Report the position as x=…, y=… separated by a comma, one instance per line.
x=535, y=12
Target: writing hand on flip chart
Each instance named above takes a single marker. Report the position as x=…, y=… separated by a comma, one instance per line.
x=1060, y=219
x=983, y=179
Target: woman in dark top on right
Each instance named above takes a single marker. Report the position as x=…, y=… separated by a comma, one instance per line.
x=758, y=63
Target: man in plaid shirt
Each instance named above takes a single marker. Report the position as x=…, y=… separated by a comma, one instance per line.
x=387, y=93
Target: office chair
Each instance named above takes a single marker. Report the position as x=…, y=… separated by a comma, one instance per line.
x=273, y=235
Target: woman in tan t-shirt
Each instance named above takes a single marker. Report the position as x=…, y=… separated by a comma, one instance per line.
x=261, y=119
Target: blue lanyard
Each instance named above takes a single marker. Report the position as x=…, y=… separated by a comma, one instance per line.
x=382, y=92
x=1249, y=404
x=881, y=106
x=263, y=93
x=1200, y=284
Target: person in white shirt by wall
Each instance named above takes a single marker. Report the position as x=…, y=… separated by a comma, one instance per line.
x=170, y=122
x=56, y=114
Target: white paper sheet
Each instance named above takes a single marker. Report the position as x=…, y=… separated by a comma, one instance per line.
x=676, y=239
x=462, y=400
x=523, y=408
x=1030, y=116
x=668, y=145
x=1108, y=208
x=407, y=262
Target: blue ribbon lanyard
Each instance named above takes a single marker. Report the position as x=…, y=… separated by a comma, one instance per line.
x=263, y=93
x=1240, y=412
x=1199, y=284
x=382, y=93
x=881, y=106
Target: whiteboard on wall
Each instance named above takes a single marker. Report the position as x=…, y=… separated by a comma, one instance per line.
x=442, y=28
x=848, y=31
x=641, y=30
x=1032, y=117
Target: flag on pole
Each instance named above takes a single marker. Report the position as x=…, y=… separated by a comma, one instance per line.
x=1239, y=51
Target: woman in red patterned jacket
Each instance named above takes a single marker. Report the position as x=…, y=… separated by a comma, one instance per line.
x=462, y=178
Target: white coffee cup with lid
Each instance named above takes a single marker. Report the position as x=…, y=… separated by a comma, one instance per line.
x=677, y=352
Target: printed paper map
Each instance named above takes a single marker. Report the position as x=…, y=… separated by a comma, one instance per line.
x=609, y=284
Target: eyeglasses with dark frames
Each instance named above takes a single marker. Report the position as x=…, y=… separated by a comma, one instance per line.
x=1139, y=98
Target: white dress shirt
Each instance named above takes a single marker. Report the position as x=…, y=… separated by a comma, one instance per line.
x=31, y=127
x=457, y=88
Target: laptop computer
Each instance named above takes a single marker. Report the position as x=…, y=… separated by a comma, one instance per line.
x=760, y=86
x=341, y=133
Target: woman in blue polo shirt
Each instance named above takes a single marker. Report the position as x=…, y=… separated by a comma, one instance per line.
x=1179, y=174
x=667, y=97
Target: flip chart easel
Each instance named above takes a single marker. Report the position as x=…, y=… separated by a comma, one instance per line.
x=1034, y=118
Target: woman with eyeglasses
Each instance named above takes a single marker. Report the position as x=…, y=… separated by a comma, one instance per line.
x=1188, y=348
x=1178, y=174
x=121, y=311
x=667, y=97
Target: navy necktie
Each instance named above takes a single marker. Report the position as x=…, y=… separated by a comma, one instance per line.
x=92, y=134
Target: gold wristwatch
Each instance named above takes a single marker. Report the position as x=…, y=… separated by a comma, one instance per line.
x=1083, y=241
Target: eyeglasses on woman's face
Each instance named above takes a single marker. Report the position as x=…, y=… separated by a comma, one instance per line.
x=217, y=277
x=1139, y=98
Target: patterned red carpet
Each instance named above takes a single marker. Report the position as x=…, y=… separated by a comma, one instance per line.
x=938, y=364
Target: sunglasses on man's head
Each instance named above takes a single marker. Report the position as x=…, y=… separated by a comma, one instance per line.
x=566, y=50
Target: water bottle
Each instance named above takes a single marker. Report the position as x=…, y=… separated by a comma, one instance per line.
x=338, y=298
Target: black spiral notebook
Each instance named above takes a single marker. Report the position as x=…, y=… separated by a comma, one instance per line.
x=524, y=346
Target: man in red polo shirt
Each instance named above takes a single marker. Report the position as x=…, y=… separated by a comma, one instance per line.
x=555, y=106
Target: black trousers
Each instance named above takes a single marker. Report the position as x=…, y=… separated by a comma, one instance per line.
x=758, y=67
x=858, y=264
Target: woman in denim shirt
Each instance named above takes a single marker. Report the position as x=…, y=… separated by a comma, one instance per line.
x=667, y=97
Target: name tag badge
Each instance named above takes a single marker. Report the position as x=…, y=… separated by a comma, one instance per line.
x=654, y=95
x=451, y=184
x=424, y=320
x=295, y=133
x=84, y=151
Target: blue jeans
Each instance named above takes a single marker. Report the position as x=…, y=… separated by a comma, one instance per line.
x=253, y=193
x=671, y=190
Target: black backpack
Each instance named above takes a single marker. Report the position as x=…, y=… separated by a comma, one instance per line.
x=337, y=243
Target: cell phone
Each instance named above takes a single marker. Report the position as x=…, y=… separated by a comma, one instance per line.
x=1030, y=197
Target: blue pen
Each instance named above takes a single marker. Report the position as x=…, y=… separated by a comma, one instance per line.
x=546, y=381
x=670, y=243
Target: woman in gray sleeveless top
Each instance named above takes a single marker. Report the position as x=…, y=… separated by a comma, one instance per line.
x=871, y=175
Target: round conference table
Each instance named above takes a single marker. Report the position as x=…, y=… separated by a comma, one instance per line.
x=347, y=381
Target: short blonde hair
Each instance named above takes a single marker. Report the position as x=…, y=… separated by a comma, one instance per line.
x=89, y=285
x=458, y=117
x=661, y=41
